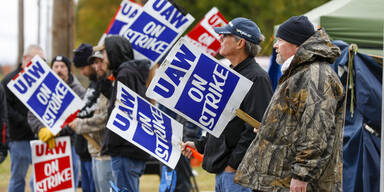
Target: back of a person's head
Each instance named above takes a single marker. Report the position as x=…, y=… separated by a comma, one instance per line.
x=32, y=49
x=30, y=52
x=118, y=49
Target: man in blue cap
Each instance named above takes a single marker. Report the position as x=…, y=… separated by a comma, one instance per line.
x=240, y=43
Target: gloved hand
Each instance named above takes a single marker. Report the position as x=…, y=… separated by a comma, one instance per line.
x=51, y=143
x=45, y=134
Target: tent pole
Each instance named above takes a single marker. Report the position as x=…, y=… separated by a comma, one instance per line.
x=382, y=133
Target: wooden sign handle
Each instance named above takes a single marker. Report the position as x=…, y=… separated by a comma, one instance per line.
x=248, y=119
x=92, y=141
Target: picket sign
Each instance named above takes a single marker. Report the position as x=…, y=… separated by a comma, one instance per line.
x=198, y=87
x=52, y=168
x=155, y=29
x=146, y=126
x=203, y=34
x=46, y=95
x=124, y=15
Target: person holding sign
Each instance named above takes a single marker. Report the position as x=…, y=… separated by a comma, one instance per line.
x=128, y=161
x=240, y=44
x=93, y=120
x=19, y=131
x=299, y=143
x=62, y=67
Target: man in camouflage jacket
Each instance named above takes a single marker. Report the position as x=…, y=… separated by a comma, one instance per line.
x=299, y=143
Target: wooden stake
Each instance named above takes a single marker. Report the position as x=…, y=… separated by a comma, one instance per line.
x=248, y=119
x=92, y=141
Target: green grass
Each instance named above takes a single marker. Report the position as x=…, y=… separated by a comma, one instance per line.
x=148, y=183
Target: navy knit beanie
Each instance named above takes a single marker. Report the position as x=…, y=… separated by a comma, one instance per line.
x=296, y=30
x=63, y=59
x=81, y=55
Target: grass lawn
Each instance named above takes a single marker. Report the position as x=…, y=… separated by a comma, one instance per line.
x=148, y=183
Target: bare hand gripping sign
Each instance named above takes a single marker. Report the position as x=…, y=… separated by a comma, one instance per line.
x=198, y=87
x=44, y=93
x=142, y=124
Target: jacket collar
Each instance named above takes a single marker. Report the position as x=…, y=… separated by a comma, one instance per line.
x=243, y=64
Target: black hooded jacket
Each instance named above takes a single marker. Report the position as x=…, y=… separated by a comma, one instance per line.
x=133, y=74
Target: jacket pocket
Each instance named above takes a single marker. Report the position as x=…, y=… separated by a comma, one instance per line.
x=270, y=158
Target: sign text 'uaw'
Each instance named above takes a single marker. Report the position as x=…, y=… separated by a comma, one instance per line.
x=198, y=87
x=125, y=14
x=45, y=94
x=52, y=168
x=147, y=127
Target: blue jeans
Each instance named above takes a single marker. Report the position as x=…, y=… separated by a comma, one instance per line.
x=127, y=172
x=224, y=183
x=87, y=184
x=20, y=152
x=102, y=174
x=75, y=162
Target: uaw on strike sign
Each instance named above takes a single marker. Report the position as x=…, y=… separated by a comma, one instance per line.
x=145, y=126
x=203, y=35
x=52, y=168
x=198, y=87
x=48, y=97
x=124, y=15
x=155, y=29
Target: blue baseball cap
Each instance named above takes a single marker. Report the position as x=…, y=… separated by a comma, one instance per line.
x=241, y=27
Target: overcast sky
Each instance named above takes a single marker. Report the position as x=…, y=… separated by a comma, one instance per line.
x=9, y=27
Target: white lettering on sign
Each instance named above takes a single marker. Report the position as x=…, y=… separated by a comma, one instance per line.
x=176, y=70
x=28, y=78
x=54, y=104
x=206, y=39
x=212, y=98
x=129, y=10
x=158, y=129
x=54, y=180
x=145, y=41
x=51, y=168
x=169, y=13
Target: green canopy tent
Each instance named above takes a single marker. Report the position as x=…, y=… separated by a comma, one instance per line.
x=360, y=22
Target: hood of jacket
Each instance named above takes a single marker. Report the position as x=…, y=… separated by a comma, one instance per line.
x=317, y=48
x=118, y=50
x=140, y=66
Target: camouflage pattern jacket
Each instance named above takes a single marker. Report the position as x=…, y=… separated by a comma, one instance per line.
x=302, y=130
x=95, y=125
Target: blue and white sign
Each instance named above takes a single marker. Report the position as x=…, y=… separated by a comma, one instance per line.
x=147, y=127
x=198, y=87
x=126, y=14
x=44, y=93
x=156, y=29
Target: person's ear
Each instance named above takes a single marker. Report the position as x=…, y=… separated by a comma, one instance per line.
x=241, y=43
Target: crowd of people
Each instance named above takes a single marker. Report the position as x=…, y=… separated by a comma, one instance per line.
x=298, y=146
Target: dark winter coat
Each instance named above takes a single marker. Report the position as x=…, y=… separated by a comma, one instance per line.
x=232, y=144
x=301, y=135
x=18, y=128
x=133, y=74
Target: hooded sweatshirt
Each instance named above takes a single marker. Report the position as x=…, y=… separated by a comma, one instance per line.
x=133, y=74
